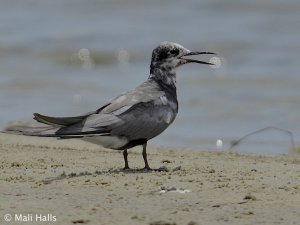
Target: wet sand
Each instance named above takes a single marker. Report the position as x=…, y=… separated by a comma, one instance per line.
x=73, y=182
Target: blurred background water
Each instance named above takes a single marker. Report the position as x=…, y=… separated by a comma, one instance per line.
x=68, y=57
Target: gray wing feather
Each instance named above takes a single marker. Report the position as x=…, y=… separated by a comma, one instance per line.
x=95, y=123
x=147, y=91
x=144, y=121
x=135, y=114
x=142, y=113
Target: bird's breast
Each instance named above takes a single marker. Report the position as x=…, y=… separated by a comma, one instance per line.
x=171, y=109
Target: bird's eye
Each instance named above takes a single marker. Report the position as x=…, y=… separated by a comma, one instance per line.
x=174, y=51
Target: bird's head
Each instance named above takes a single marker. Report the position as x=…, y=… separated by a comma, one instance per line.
x=168, y=56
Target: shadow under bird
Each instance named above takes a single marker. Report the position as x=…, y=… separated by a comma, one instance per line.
x=130, y=119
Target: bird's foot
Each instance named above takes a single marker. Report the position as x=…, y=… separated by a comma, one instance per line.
x=147, y=168
x=126, y=168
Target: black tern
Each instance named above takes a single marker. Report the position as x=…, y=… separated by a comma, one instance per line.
x=132, y=118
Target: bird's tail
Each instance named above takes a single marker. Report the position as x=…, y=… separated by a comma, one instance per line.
x=31, y=129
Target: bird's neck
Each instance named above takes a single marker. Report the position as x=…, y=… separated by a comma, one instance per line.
x=166, y=80
x=163, y=75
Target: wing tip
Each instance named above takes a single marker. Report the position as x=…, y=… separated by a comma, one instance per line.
x=42, y=119
x=36, y=116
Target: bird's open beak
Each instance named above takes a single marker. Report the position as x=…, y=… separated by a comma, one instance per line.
x=189, y=60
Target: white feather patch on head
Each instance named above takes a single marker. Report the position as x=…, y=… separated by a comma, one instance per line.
x=168, y=43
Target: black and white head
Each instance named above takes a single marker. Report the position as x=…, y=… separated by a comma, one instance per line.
x=167, y=57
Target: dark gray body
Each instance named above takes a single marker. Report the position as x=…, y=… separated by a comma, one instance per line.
x=129, y=119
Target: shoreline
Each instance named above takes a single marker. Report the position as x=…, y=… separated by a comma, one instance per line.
x=81, y=183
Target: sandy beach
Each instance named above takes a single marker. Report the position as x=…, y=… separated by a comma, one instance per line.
x=49, y=181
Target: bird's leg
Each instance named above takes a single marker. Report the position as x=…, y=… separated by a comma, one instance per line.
x=125, y=154
x=145, y=157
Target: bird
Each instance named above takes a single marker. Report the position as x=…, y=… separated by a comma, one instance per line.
x=133, y=117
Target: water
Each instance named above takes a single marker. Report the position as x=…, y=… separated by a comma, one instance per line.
x=257, y=86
